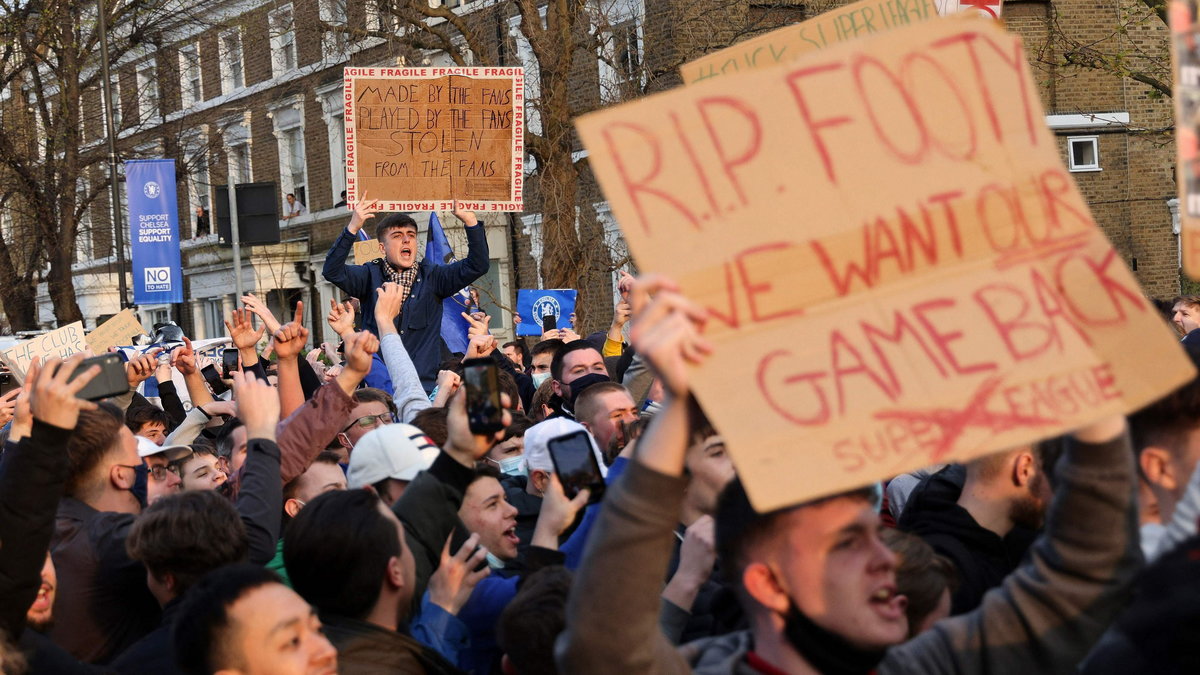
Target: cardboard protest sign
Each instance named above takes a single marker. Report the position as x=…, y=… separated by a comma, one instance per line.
x=416, y=138
x=62, y=343
x=897, y=269
x=116, y=332
x=988, y=9
x=790, y=42
x=1185, y=39
x=366, y=251
x=535, y=304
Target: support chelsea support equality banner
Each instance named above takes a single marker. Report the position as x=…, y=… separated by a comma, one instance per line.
x=154, y=231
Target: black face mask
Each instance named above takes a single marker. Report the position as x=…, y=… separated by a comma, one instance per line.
x=828, y=652
x=577, y=386
x=141, y=481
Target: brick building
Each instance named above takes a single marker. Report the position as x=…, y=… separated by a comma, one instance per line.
x=255, y=90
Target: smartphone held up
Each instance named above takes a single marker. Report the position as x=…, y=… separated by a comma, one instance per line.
x=485, y=412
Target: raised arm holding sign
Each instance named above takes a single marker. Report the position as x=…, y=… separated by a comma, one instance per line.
x=947, y=292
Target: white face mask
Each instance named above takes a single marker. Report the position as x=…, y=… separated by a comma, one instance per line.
x=494, y=562
x=539, y=378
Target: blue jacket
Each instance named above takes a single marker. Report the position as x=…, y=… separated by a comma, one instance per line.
x=420, y=321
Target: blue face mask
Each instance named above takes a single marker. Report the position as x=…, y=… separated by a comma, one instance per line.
x=494, y=562
x=539, y=378
x=512, y=466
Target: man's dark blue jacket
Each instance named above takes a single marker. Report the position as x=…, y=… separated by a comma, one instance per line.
x=420, y=321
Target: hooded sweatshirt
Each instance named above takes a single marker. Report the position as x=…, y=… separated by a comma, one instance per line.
x=981, y=557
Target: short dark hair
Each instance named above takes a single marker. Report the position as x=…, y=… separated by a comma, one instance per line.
x=139, y=416
x=1167, y=421
x=531, y=622
x=373, y=395
x=520, y=348
x=324, y=457
x=517, y=428
x=740, y=529
x=392, y=221
x=188, y=535
x=336, y=552
x=556, y=366
x=203, y=644
x=921, y=575
x=507, y=384
x=224, y=439
x=541, y=397
x=588, y=399
x=433, y=422
x=551, y=345
x=96, y=435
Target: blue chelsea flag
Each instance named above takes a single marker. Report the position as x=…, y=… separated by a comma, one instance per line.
x=534, y=305
x=153, y=231
x=438, y=252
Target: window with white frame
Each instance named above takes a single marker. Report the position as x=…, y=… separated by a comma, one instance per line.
x=198, y=194
x=83, y=236
x=620, y=66
x=330, y=98
x=147, y=90
x=283, y=40
x=333, y=13
x=240, y=155
x=1084, y=153
x=214, y=317
x=288, y=118
x=379, y=18
x=233, y=74
x=296, y=167
x=190, y=80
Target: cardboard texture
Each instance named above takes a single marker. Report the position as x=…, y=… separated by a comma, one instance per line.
x=61, y=342
x=416, y=138
x=789, y=43
x=116, y=332
x=1185, y=59
x=929, y=285
x=366, y=251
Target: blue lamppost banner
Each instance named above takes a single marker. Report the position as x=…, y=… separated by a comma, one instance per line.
x=534, y=304
x=154, y=231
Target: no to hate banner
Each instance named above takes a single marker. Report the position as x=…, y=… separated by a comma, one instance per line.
x=153, y=231
x=929, y=285
x=416, y=138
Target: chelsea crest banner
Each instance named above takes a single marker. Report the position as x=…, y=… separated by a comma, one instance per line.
x=154, y=231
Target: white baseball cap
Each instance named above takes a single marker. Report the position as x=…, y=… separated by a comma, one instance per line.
x=538, y=437
x=147, y=448
x=398, y=451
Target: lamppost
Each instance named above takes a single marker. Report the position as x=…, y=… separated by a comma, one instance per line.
x=110, y=126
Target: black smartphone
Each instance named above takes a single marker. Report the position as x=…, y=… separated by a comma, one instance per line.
x=576, y=465
x=229, y=362
x=549, y=323
x=484, y=412
x=213, y=378
x=7, y=382
x=110, y=381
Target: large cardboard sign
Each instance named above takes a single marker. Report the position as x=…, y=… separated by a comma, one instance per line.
x=1185, y=50
x=366, y=251
x=118, y=331
x=789, y=43
x=61, y=342
x=897, y=269
x=417, y=138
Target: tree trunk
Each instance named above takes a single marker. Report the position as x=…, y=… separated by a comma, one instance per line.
x=60, y=284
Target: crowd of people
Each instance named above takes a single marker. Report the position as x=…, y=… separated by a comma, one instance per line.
x=337, y=511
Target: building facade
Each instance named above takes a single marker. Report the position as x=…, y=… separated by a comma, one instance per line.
x=254, y=93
